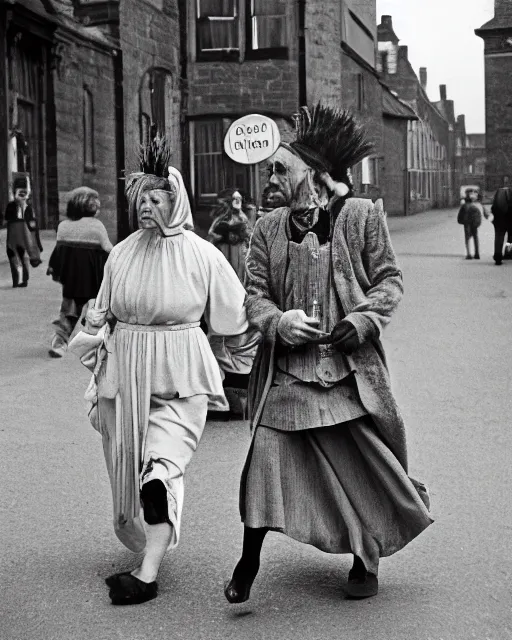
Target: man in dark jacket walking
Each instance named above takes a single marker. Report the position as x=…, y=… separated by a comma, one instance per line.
x=502, y=212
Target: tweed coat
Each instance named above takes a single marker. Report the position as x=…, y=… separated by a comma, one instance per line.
x=369, y=284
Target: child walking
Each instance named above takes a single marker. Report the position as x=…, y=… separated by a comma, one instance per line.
x=77, y=262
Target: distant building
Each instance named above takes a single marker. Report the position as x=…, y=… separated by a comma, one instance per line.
x=83, y=82
x=431, y=148
x=497, y=37
x=470, y=156
x=272, y=57
x=397, y=121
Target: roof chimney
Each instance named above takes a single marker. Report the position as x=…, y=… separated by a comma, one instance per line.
x=502, y=8
x=442, y=91
x=387, y=21
x=423, y=77
x=403, y=51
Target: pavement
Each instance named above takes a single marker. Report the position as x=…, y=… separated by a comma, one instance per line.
x=448, y=348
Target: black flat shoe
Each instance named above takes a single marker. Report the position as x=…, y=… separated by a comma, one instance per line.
x=237, y=591
x=128, y=590
x=359, y=587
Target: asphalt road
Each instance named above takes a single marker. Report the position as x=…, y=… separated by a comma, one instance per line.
x=450, y=357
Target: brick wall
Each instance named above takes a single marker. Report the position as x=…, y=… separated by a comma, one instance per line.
x=149, y=32
x=254, y=85
x=86, y=67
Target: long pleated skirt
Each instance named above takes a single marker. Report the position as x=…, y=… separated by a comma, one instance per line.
x=337, y=488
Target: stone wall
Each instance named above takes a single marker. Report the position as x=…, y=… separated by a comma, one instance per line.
x=86, y=67
x=323, y=52
x=149, y=32
x=498, y=71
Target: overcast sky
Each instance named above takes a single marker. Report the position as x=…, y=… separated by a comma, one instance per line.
x=440, y=36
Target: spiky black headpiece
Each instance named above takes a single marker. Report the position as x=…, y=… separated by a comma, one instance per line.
x=330, y=140
x=154, y=161
x=155, y=157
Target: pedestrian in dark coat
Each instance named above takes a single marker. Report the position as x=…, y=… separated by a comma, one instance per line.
x=77, y=262
x=470, y=215
x=502, y=212
x=23, y=244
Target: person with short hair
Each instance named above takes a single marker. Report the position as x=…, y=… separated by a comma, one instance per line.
x=77, y=262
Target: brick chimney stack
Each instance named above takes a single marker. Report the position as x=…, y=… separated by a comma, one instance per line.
x=442, y=92
x=502, y=8
x=423, y=77
x=387, y=21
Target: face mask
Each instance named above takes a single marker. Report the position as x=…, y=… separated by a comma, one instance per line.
x=155, y=210
x=236, y=201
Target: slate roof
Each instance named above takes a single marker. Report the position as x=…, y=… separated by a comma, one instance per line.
x=395, y=108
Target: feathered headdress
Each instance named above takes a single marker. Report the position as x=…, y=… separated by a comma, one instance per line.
x=330, y=141
x=156, y=172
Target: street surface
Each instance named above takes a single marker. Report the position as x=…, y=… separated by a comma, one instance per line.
x=449, y=350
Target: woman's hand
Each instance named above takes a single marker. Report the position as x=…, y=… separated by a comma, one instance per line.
x=296, y=328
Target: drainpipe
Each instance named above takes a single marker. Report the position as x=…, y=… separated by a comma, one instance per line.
x=303, y=89
x=123, y=224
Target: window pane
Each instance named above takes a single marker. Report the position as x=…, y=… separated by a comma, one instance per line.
x=208, y=158
x=268, y=24
x=268, y=32
x=214, y=171
x=217, y=34
x=210, y=8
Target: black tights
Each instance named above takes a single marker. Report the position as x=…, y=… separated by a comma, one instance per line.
x=249, y=564
x=154, y=500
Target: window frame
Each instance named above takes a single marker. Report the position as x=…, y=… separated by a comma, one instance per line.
x=213, y=55
x=210, y=199
x=88, y=130
x=278, y=53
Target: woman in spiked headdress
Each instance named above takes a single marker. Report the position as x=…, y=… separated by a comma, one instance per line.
x=154, y=371
x=327, y=463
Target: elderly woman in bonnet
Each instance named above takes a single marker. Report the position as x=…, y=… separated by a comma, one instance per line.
x=154, y=371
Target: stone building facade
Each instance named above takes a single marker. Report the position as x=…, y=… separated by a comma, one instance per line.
x=431, y=149
x=233, y=70
x=497, y=37
x=84, y=82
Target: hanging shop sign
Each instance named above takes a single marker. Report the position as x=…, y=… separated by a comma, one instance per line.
x=252, y=139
